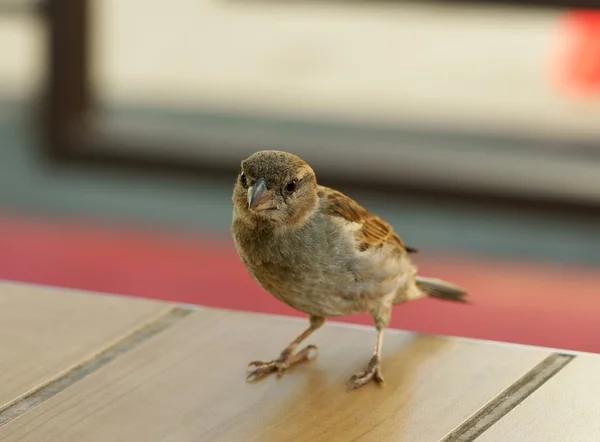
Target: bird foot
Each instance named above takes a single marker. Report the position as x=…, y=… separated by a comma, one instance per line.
x=287, y=358
x=372, y=373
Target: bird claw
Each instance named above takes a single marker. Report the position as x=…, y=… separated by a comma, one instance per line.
x=257, y=364
x=372, y=373
x=260, y=369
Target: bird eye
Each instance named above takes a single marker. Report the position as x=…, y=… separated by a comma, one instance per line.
x=290, y=187
x=243, y=179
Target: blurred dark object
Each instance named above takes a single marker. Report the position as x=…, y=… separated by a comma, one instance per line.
x=72, y=133
x=68, y=96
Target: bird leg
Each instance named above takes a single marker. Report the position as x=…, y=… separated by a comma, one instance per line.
x=287, y=356
x=373, y=371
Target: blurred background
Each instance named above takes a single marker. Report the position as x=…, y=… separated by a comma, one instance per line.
x=473, y=128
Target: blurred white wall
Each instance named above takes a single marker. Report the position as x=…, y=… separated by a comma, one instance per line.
x=458, y=67
x=21, y=55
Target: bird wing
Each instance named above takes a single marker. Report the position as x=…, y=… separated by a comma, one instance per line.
x=373, y=231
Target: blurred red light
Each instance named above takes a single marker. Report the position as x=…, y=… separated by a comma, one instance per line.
x=579, y=58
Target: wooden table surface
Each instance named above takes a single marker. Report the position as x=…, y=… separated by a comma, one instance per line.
x=89, y=367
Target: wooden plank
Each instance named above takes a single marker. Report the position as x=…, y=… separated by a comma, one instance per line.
x=188, y=384
x=566, y=408
x=48, y=331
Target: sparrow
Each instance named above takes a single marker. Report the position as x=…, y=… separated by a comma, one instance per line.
x=320, y=252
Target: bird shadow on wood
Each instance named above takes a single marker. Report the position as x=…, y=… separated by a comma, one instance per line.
x=323, y=409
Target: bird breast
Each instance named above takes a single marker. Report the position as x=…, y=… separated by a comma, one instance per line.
x=318, y=269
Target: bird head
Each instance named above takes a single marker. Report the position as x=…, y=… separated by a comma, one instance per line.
x=275, y=186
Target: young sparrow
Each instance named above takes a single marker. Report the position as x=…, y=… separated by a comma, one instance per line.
x=321, y=253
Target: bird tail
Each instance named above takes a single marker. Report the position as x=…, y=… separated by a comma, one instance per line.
x=436, y=288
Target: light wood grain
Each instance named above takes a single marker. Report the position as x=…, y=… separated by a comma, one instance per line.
x=47, y=331
x=188, y=384
x=566, y=408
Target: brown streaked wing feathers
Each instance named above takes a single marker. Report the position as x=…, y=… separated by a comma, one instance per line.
x=374, y=231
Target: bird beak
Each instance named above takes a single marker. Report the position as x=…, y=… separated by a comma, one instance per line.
x=260, y=197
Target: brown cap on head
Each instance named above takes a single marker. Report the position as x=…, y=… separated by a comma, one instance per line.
x=275, y=166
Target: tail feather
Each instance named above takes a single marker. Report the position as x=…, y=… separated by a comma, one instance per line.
x=436, y=288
